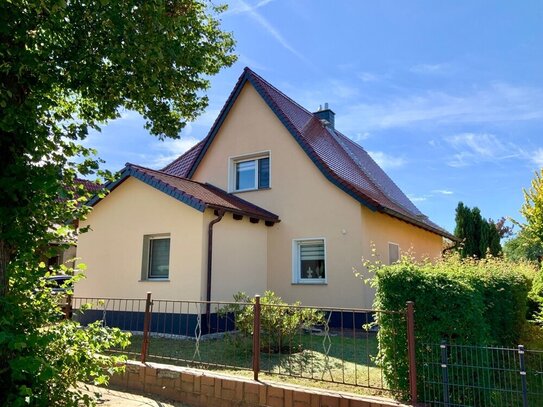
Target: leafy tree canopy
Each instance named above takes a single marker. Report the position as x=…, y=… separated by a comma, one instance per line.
x=67, y=67
x=532, y=210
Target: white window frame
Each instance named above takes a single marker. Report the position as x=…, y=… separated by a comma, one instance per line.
x=146, y=257
x=399, y=253
x=296, y=272
x=232, y=161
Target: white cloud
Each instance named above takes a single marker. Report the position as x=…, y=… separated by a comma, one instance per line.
x=442, y=191
x=537, y=157
x=243, y=7
x=266, y=25
x=251, y=63
x=430, y=68
x=415, y=198
x=497, y=103
x=387, y=161
x=473, y=148
x=367, y=77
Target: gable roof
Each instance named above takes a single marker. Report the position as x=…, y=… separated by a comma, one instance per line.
x=342, y=161
x=195, y=194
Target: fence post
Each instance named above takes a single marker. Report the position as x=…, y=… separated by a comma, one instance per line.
x=256, y=337
x=68, y=307
x=445, y=371
x=523, y=376
x=411, y=351
x=146, y=325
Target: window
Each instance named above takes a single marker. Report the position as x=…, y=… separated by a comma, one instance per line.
x=250, y=173
x=156, y=257
x=393, y=253
x=309, y=261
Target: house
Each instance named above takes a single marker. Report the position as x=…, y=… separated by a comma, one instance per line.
x=275, y=197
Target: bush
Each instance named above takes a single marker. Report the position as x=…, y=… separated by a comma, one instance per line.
x=535, y=299
x=45, y=357
x=279, y=321
x=462, y=301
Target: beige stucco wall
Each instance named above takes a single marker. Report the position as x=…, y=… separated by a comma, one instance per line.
x=380, y=230
x=113, y=249
x=239, y=257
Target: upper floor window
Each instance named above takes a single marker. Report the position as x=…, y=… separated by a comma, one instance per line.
x=250, y=173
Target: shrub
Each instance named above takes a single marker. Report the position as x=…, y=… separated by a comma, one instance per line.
x=279, y=321
x=535, y=298
x=462, y=301
x=47, y=357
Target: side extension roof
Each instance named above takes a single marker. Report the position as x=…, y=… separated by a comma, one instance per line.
x=195, y=194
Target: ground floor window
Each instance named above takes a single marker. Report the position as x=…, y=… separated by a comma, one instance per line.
x=156, y=257
x=309, y=261
x=393, y=253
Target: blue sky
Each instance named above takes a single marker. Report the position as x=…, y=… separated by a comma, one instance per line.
x=446, y=96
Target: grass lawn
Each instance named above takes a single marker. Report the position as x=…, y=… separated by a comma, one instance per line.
x=349, y=365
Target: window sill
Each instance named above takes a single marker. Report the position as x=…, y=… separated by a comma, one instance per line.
x=309, y=283
x=249, y=190
x=155, y=280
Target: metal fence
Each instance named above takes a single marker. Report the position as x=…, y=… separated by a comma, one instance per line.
x=461, y=375
x=336, y=345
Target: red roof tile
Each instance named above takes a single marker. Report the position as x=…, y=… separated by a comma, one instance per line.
x=182, y=165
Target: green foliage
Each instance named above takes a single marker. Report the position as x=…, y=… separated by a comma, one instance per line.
x=47, y=355
x=68, y=67
x=521, y=247
x=532, y=210
x=479, y=236
x=462, y=301
x=280, y=322
x=535, y=299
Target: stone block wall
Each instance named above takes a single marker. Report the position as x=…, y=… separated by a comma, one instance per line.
x=203, y=388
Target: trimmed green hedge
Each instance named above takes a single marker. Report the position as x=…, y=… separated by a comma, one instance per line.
x=462, y=301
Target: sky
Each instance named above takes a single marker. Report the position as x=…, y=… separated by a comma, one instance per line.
x=446, y=96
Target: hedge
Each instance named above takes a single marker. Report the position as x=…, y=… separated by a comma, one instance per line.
x=462, y=301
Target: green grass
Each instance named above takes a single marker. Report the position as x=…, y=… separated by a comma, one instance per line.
x=349, y=365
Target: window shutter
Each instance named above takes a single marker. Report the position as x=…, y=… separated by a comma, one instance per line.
x=264, y=173
x=312, y=252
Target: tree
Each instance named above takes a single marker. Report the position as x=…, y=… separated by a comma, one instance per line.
x=528, y=243
x=520, y=247
x=532, y=210
x=479, y=236
x=504, y=231
x=67, y=67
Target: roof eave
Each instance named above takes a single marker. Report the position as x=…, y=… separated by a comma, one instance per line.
x=246, y=213
x=419, y=224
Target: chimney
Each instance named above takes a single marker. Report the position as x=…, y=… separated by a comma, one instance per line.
x=326, y=115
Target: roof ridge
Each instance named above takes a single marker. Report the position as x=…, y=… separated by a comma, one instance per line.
x=249, y=70
x=166, y=174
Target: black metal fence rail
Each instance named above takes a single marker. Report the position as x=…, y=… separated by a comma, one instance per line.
x=337, y=345
x=462, y=375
